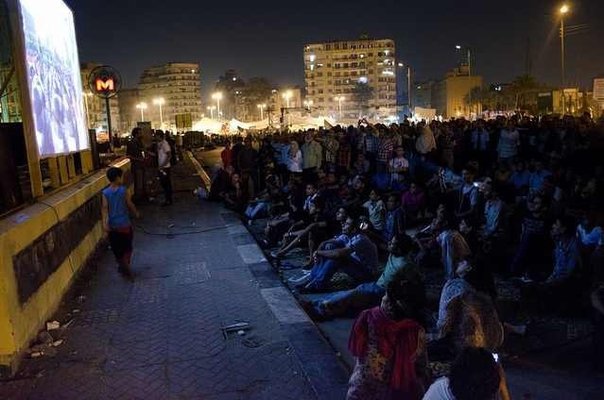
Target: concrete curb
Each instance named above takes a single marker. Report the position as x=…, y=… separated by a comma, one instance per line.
x=326, y=373
x=199, y=169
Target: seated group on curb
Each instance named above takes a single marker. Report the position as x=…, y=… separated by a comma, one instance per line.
x=396, y=211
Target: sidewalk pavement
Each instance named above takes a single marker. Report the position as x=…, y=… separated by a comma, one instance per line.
x=197, y=269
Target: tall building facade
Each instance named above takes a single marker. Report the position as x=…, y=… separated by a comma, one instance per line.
x=177, y=86
x=449, y=95
x=349, y=79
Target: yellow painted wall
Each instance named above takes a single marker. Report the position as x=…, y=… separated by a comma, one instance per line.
x=20, y=323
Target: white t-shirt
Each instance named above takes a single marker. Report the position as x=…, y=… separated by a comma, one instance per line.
x=163, y=154
x=439, y=390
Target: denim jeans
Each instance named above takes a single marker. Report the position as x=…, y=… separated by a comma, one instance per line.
x=350, y=302
x=327, y=267
x=253, y=211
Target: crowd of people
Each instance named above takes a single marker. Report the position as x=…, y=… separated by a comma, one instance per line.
x=517, y=199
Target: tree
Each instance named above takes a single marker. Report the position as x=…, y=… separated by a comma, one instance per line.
x=363, y=94
x=257, y=91
x=525, y=89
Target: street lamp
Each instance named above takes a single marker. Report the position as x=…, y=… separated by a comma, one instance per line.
x=287, y=95
x=469, y=60
x=564, y=9
x=402, y=65
x=217, y=96
x=142, y=106
x=261, y=107
x=211, y=110
x=160, y=101
x=308, y=104
x=339, y=99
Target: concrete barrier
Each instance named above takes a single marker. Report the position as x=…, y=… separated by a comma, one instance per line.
x=42, y=248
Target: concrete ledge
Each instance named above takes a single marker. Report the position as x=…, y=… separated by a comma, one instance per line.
x=20, y=322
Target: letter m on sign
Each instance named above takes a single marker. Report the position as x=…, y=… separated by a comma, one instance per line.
x=105, y=86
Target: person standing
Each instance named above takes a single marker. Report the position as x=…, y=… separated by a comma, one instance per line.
x=226, y=155
x=164, y=155
x=135, y=150
x=116, y=203
x=312, y=154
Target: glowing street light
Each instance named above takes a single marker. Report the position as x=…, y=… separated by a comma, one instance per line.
x=287, y=95
x=217, y=96
x=308, y=104
x=261, y=107
x=211, y=110
x=339, y=99
x=402, y=65
x=142, y=106
x=564, y=9
x=160, y=101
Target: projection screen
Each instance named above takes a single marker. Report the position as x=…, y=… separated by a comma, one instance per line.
x=53, y=77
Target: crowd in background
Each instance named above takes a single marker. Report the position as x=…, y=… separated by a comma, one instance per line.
x=517, y=199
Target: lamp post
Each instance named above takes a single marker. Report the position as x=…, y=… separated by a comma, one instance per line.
x=469, y=61
x=217, y=96
x=308, y=104
x=287, y=95
x=339, y=99
x=211, y=110
x=564, y=9
x=261, y=107
x=160, y=101
x=408, y=83
x=142, y=106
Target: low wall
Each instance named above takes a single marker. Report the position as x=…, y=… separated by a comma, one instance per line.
x=42, y=248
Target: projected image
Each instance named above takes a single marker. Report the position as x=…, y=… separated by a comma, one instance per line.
x=53, y=74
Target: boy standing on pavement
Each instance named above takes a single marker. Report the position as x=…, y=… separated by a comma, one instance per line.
x=116, y=202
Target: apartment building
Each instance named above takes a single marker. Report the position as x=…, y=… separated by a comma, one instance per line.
x=353, y=78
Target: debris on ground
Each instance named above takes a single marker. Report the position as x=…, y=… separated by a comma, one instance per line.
x=52, y=325
x=237, y=327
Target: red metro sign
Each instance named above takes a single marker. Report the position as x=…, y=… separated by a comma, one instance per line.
x=105, y=81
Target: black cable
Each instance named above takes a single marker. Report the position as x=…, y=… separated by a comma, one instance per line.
x=194, y=232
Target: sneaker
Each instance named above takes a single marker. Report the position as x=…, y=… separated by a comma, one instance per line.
x=526, y=279
x=275, y=255
x=300, y=280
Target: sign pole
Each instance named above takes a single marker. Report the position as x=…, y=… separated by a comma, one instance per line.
x=108, y=108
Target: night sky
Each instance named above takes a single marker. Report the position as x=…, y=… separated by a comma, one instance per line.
x=265, y=38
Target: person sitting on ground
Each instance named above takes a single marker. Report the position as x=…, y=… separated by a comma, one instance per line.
x=494, y=210
x=395, y=219
x=235, y=197
x=280, y=224
x=366, y=295
x=376, y=211
x=358, y=258
x=561, y=288
x=398, y=167
x=468, y=196
x=317, y=229
x=269, y=197
x=388, y=343
x=469, y=277
x=413, y=203
x=470, y=319
x=475, y=375
x=453, y=246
